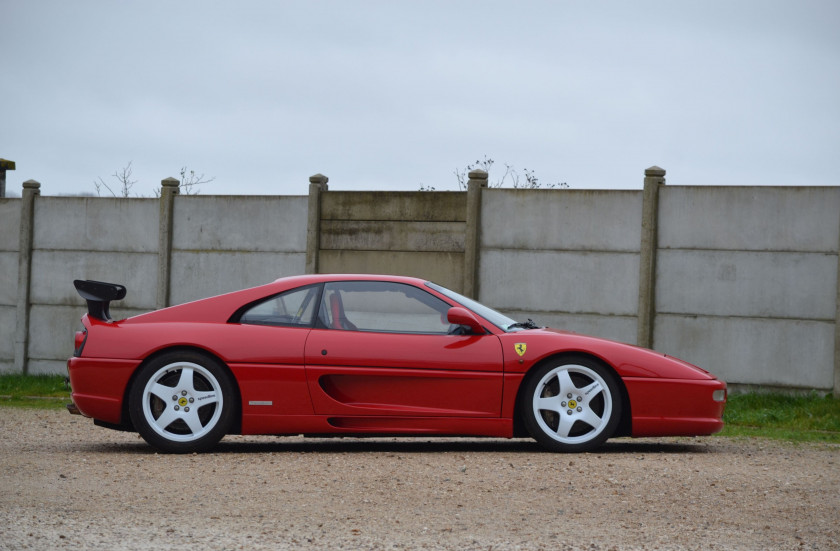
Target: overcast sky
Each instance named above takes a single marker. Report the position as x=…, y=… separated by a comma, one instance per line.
x=395, y=95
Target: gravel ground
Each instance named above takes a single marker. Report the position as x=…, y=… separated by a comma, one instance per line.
x=65, y=483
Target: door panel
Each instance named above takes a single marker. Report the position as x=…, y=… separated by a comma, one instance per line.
x=366, y=373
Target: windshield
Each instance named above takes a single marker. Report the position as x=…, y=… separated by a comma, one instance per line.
x=496, y=318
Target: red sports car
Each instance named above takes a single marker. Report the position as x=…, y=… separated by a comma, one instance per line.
x=368, y=355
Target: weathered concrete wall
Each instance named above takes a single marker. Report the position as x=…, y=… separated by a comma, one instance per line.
x=746, y=282
x=9, y=243
x=104, y=239
x=219, y=244
x=400, y=233
x=741, y=281
x=566, y=258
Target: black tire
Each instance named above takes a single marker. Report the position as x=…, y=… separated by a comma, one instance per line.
x=571, y=405
x=182, y=402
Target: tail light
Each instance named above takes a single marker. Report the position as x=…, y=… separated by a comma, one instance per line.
x=81, y=338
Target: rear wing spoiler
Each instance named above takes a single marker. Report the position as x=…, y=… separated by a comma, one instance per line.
x=99, y=295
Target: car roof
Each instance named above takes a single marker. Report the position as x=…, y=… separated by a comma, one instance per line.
x=321, y=278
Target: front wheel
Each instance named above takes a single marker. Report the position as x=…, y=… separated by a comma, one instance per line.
x=572, y=405
x=182, y=402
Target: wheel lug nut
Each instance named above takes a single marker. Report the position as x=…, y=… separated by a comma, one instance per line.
x=562, y=404
x=177, y=408
x=183, y=393
x=580, y=399
x=569, y=412
x=569, y=395
x=174, y=398
x=579, y=409
x=186, y=409
x=192, y=400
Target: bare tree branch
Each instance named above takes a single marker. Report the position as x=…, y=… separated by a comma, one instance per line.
x=188, y=185
x=511, y=177
x=190, y=181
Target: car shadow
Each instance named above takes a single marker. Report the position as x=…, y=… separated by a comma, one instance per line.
x=243, y=445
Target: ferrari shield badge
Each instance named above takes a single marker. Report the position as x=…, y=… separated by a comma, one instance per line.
x=520, y=348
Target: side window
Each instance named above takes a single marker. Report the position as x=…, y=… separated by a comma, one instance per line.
x=294, y=308
x=382, y=307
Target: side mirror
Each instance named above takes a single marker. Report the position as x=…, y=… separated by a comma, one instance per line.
x=461, y=316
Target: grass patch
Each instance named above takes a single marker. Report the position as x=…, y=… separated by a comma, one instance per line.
x=34, y=391
x=809, y=418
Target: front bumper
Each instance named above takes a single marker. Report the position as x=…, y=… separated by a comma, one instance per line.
x=676, y=407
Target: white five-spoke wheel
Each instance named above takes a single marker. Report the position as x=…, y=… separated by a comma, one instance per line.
x=572, y=405
x=182, y=402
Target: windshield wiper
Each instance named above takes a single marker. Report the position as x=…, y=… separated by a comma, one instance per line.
x=524, y=324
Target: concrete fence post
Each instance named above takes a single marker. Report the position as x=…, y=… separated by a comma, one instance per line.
x=5, y=165
x=317, y=185
x=169, y=188
x=31, y=190
x=654, y=180
x=472, y=240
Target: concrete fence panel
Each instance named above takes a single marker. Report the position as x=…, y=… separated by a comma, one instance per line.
x=566, y=258
x=105, y=239
x=222, y=244
x=96, y=224
x=795, y=354
x=9, y=243
x=798, y=219
x=747, y=284
x=420, y=234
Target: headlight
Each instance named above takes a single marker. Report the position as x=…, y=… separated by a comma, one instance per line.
x=719, y=395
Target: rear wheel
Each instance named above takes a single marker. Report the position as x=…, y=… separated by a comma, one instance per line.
x=182, y=402
x=572, y=405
